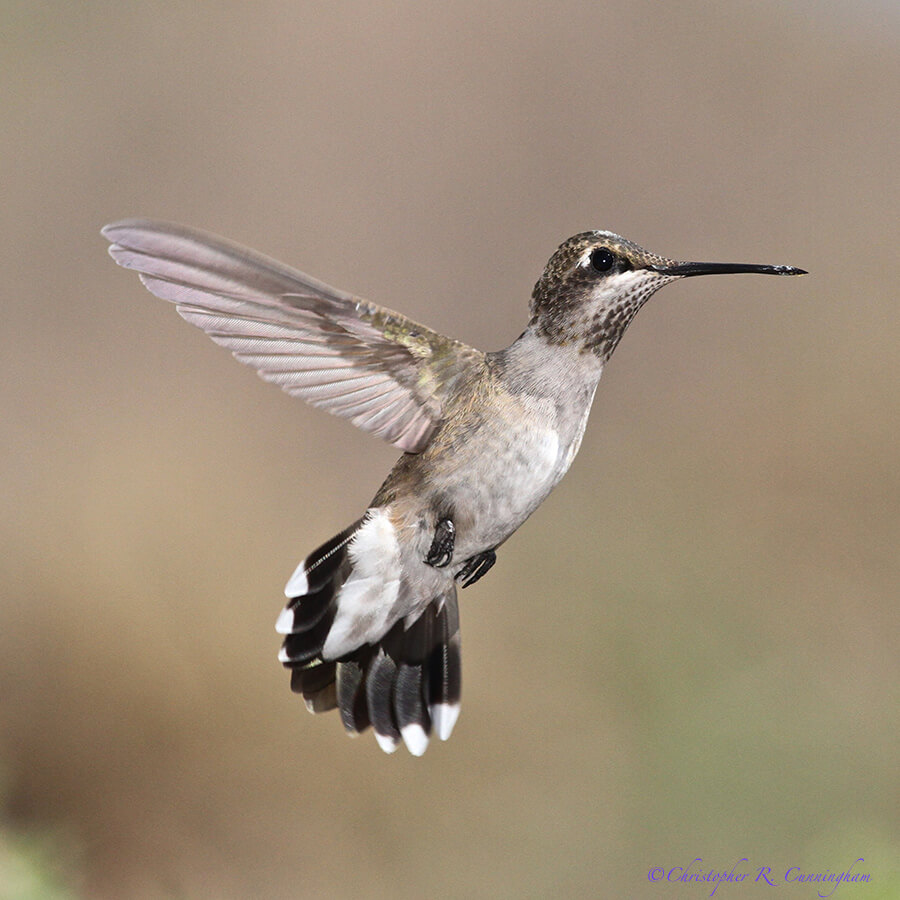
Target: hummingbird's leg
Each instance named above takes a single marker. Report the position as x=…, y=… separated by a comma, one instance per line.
x=475, y=568
x=441, y=550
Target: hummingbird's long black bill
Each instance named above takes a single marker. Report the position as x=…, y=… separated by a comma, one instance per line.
x=686, y=269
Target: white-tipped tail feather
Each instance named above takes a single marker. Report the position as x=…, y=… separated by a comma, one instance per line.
x=349, y=647
x=443, y=718
x=386, y=742
x=415, y=737
x=285, y=622
x=297, y=583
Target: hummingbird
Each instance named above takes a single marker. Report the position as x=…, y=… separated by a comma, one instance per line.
x=371, y=625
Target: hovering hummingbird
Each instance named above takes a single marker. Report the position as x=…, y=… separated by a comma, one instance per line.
x=372, y=624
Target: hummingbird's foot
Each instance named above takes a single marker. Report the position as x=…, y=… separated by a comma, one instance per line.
x=475, y=568
x=441, y=550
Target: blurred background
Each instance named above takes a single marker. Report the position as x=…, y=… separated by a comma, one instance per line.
x=690, y=651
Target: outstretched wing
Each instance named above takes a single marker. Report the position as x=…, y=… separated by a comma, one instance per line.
x=373, y=366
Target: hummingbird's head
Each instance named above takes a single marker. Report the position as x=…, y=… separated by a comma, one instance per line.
x=596, y=282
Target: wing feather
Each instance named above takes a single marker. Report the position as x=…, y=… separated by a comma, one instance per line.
x=382, y=371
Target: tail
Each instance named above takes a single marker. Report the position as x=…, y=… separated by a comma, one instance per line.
x=349, y=646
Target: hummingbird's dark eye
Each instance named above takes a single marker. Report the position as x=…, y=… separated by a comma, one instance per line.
x=602, y=260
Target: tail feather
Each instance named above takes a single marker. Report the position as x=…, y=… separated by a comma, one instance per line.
x=411, y=687
x=445, y=671
x=379, y=687
x=405, y=682
x=304, y=646
x=351, y=694
x=323, y=700
x=316, y=685
x=319, y=568
x=297, y=617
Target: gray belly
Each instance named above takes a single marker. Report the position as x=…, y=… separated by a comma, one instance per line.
x=488, y=471
x=498, y=481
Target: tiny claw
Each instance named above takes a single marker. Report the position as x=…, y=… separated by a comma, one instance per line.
x=441, y=551
x=475, y=568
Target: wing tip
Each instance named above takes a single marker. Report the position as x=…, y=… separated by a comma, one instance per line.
x=134, y=223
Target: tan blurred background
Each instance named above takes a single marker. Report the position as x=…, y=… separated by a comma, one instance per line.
x=690, y=651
